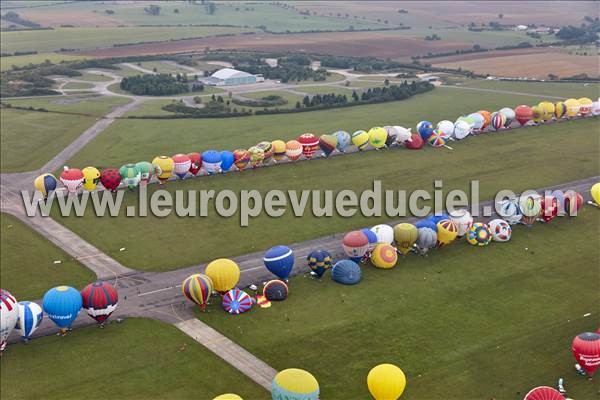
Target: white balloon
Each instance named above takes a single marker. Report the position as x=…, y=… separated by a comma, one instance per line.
x=403, y=134
x=510, y=211
x=462, y=219
x=461, y=129
x=510, y=115
x=30, y=318
x=384, y=233
x=596, y=108
x=501, y=230
x=479, y=120
x=446, y=127
x=9, y=314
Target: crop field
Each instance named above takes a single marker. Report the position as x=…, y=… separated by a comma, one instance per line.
x=20, y=61
x=138, y=358
x=464, y=322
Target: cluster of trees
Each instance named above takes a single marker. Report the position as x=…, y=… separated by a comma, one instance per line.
x=266, y=101
x=285, y=72
x=392, y=92
x=152, y=10
x=434, y=36
x=317, y=100
x=214, y=108
x=15, y=18
x=153, y=85
x=585, y=34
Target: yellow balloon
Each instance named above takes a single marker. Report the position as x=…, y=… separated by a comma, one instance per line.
x=447, y=231
x=560, y=109
x=360, y=139
x=228, y=396
x=384, y=256
x=377, y=137
x=294, y=383
x=386, y=382
x=537, y=113
x=596, y=193
x=224, y=273
x=164, y=167
x=547, y=110
x=278, y=147
x=405, y=235
x=572, y=107
x=40, y=183
x=91, y=177
x=585, y=105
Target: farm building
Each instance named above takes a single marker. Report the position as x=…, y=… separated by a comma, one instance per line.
x=231, y=77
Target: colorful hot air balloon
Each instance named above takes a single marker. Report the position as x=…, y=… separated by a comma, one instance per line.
x=72, y=178
x=45, y=183
x=446, y=127
x=543, y=393
x=9, y=314
x=62, y=305
x=537, y=114
x=279, y=260
x=463, y=220
x=241, y=158
x=437, y=217
x=510, y=211
x=236, y=301
x=572, y=107
x=426, y=239
x=91, y=177
x=377, y=137
x=360, y=139
x=30, y=318
x=228, y=396
x=384, y=233
x=498, y=120
x=487, y=118
x=595, y=192
x=327, y=144
x=402, y=134
x=424, y=129
x=110, y=178
x=585, y=106
x=560, y=110
x=586, y=350
x=384, y=256
x=294, y=384
x=346, y=272
x=267, y=149
x=461, y=130
x=181, y=165
x=224, y=274
x=146, y=171
x=446, y=232
x=310, y=144
x=275, y=290
x=227, y=160
x=100, y=299
x=355, y=245
x=257, y=155
x=195, y=163
x=197, y=288
x=372, y=238
x=293, y=150
x=523, y=114
x=211, y=160
x=130, y=175
x=437, y=138
x=163, y=167
x=405, y=235
x=415, y=142
x=478, y=121
x=572, y=203
x=479, y=234
x=509, y=116
x=530, y=207
x=549, y=208
x=319, y=261
x=278, y=150
x=546, y=110
x=343, y=140
x=501, y=230
x=386, y=382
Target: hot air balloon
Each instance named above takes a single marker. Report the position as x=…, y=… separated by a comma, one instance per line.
x=267, y=149
x=319, y=261
x=392, y=135
x=530, y=208
x=327, y=144
x=509, y=115
x=524, y=114
x=310, y=144
x=543, y=393
x=386, y=382
x=195, y=163
x=487, y=118
x=343, y=140
x=278, y=149
x=377, y=137
x=110, y=179
x=437, y=138
x=100, y=299
x=45, y=183
x=585, y=106
x=241, y=158
x=224, y=274
x=355, y=245
x=462, y=219
x=549, y=208
x=211, y=161
x=405, y=235
x=510, y=211
x=385, y=233
x=560, y=110
x=275, y=290
x=501, y=230
x=294, y=384
x=9, y=314
x=402, y=134
x=424, y=129
x=236, y=301
x=228, y=396
x=346, y=272
x=384, y=256
x=426, y=239
x=146, y=171
x=426, y=223
x=227, y=160
x=479, y=234
x=572, y=107
x=62, y=305
x=30, y=318
x=595, y=192
x=130, y=175
x=360, y=139
x=91, y=177
x=446, y=232
x=279, y=260
x=371, y=236
x=72, y=178
x=572, y=203
x=461, y=130
x=537, y=114
x=586, y=350
x=293, y=150
x=498, y=120
x=596, y=108
x=163, y=167
x=437, y=217
x=181, y=165
x=446, y=127
x=415, y=142
x=546, y=110
x=197, y=288
x=478, y=121
x=257, y=156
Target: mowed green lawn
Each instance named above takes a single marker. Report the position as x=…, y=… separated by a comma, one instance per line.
x=138, y=358
x=516, y=160
x=564, y=90
x=27, y=259
x=463, y=323
x=19, y=61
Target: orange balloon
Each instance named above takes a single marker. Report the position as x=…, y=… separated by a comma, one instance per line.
x=487, y=118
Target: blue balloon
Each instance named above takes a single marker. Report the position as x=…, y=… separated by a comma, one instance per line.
x=371, y=236
x=343, y=140
x=346, y=272
x=426, y=223
x=211, y=156
x=319, y=261
x=425, y=129
x=437, y=218
x=30, y=318
x=280, y=261
x=62, y=305
x=226, y=160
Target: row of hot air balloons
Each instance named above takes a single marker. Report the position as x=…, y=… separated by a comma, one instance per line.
x=212, y=161
x=60, y=304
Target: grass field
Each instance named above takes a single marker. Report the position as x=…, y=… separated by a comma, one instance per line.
x=529, y=149
x=150, y=107
x=326, y=90
x=78, y=85
x=465, y=322
x=19, y=61
x=28, y=274
x=93, y=77
x=138, y=358
x=566, y=90
x=164, y=68
x=290, y=97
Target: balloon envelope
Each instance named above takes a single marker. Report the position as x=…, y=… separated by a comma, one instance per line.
x=426, y=239
x=197, y=288
x=241, y=158
x=386, y=382
x=110, y=179
x=130, y=175
x=236, y=301
x=224, y=274
x=355, y=244
x=310, y=144
x=146, y=171
x=501, y=230
x=461, y=130
x=371, y=236
x=384, y=256
x=360, y=139
x=595, y=192
x=227, y=160
x=327, y=144
x=30, y=318
x=463, y=220
x=377, y=137
x=343, y=140
x=91, y=177
x=279, y=260
x=586, y=350
x=211, y=160
x=415, y=142
x=523, y=114
x=446, y=232
x=195, y=163
x=9, y=314
x=181, y=165
x=543, y=393
x=278, y=149
x=346, y=272
x=319, y=261
x=100, y=299
x=294, y=384
x=46, y=183
x=72, y=178
x=293, y=150
x=479, y=234
x=62, y=305
x=275, y=290
x=384, y=233
x=405, y=235
x=163, y=167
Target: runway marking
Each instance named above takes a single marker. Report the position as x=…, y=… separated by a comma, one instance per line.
x=159, y=290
